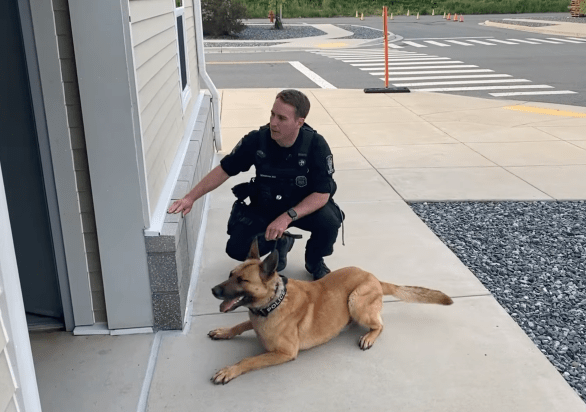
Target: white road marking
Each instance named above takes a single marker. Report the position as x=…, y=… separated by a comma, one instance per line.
x=532, y=93
x=476, y=88
x=437, y=43
x=445, y=71
x=482, y=42
x=580, y=39
x=409, y=63
x=459, y=42
x=503, y=41
x=459, y=82
x=397, y=60
x=544, y=41
x=566, y=40
x=313, y=76
x=410, y=43
x=467, y=76
x=524, y=41
x=415, y=67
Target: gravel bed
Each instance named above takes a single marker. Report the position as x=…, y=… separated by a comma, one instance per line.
x=268, y=32
x=553, y=19
x=532, y=257
x=522, y=23
x=360, y=32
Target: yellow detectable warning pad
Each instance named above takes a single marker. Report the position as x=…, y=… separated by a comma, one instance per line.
x=541, y=110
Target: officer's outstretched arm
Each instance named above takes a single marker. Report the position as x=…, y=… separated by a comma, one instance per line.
x=211, y=181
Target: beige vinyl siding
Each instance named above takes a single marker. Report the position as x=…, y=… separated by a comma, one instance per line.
x=7, y=386
x=159, y=96
x=191, y=48
x=79, y=154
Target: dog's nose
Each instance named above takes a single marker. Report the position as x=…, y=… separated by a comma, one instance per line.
x=218, y=291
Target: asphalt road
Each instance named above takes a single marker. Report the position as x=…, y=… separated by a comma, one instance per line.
x=532, y=60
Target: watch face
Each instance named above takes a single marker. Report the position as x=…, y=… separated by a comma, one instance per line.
x=292, y=214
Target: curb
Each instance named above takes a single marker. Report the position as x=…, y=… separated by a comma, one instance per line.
x=551, y=29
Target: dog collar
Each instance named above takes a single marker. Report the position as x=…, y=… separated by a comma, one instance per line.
x=275, y=303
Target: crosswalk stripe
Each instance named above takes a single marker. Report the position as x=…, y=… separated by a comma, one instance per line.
x=476, y=88
x=464, y=66
x=566, y=40
x=394, y=46
x=459, y=42
x=544, y=41
x=444, y=72
x=580, y=39
x=503, y=41
x=524, y=41
x=437, y=43
x=411, y=43
x=532, y=93
x=397, y=60
x=405, y=63
x=468, y=76
x=482, y=42
x=459, y=82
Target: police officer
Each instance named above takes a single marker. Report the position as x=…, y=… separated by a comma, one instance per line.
x=293, y=186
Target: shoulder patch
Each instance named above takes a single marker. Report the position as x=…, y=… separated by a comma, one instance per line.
x=330, y=162
x=236, y=147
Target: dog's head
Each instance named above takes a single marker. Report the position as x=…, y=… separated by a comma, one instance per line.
x=251, y=283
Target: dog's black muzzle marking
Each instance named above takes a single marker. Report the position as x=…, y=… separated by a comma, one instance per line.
x=218, y=291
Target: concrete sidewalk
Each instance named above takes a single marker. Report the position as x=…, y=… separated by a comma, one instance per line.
x=388, y=149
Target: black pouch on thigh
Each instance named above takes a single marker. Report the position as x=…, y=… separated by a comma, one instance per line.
x=240, y=215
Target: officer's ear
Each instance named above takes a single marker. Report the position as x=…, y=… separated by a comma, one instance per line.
x=299, y=121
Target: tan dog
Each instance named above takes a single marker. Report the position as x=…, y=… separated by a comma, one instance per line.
x=289, y=316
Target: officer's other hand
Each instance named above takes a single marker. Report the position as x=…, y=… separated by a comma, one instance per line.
x=277, y=227
x=182, y=205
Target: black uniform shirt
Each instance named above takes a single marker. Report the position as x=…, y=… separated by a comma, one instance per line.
x=320, y=160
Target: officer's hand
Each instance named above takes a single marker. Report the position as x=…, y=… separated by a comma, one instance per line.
x=277, y=227
x=182, y=205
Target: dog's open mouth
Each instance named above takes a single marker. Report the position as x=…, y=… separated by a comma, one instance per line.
x=229, y=305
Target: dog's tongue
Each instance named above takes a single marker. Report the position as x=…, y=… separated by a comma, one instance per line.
x=228, y=305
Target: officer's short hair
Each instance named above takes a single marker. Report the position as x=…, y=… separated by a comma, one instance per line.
x=296, y=99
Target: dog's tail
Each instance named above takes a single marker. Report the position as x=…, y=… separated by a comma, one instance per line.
x=416, y=294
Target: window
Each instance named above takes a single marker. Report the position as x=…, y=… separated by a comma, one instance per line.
x=182, y=53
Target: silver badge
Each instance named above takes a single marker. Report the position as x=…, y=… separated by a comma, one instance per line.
x=301, y=162
x=301, y=181
x=330, y=162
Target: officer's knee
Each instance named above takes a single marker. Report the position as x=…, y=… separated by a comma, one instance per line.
x=236, y=249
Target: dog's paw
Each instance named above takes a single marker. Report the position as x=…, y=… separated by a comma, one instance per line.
x=221, y=333
x=365, y=342
x=225, y=375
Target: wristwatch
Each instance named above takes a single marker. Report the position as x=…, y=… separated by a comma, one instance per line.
x=292, y=214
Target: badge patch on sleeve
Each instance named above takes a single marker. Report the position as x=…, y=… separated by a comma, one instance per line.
x=236, y=147
x=330, y=162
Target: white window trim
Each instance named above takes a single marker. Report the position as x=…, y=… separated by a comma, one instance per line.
x=185, y=93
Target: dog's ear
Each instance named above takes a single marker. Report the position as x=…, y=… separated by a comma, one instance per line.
x=269, y=265
x=253, y=253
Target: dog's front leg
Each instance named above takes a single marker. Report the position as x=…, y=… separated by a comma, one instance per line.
x=229, y=333
x=249, y=364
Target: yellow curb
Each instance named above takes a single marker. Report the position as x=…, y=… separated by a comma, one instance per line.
x=331, y=45
x=539, y=110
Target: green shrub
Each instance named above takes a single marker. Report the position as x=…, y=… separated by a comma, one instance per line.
x=222, y=17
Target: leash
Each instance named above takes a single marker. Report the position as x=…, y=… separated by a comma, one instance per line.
x=285, y=234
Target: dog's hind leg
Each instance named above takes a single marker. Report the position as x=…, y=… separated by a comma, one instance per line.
x=365, y=304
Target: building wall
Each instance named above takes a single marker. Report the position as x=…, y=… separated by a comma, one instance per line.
x=7, y=386
x=79, y=154
x=163, y=120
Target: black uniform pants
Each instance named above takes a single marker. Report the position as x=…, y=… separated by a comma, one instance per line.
x=247, y=221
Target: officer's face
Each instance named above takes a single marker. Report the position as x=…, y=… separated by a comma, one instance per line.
x=284, y=126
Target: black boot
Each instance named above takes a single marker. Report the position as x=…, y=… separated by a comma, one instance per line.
x=284, y=245
x=318, y=269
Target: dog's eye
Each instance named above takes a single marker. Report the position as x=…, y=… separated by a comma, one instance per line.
x=240, y=280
